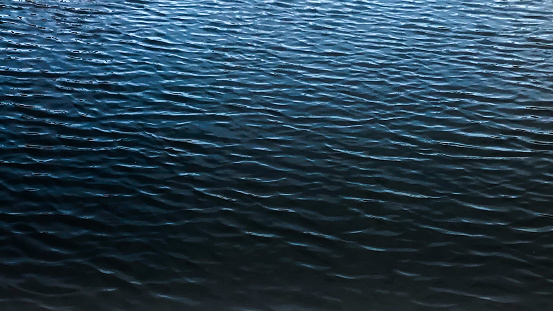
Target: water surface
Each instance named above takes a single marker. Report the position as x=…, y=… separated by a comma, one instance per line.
x=276, y=155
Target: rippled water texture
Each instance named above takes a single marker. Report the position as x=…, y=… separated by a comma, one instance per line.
x=276, y=155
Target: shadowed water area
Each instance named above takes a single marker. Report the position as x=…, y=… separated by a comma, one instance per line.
x=276, y=155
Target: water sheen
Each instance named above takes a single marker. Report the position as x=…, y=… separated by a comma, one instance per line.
x=276, y=155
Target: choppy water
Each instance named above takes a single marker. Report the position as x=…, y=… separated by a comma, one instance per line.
x=276, y=155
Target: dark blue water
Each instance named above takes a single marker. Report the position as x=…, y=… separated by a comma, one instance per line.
x=276, y=155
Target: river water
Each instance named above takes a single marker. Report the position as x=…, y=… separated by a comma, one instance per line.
x=276, y=155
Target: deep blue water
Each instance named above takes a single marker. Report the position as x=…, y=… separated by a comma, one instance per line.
x=276, y=155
